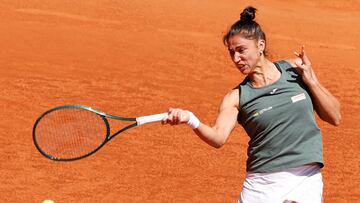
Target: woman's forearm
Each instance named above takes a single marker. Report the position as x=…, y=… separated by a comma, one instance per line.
x=326, y=105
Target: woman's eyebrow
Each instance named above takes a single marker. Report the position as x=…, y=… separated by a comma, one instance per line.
x=236, y=47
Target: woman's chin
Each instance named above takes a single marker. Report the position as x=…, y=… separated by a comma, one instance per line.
x=244, y=71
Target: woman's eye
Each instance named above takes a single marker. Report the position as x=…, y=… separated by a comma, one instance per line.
x=240, y=50
x=237, y=50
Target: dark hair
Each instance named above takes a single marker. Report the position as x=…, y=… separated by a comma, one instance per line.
x=246, y=26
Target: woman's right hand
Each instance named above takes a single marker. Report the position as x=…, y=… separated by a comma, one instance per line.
x=176, y=116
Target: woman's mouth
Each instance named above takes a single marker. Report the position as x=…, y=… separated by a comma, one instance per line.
x=241, y=67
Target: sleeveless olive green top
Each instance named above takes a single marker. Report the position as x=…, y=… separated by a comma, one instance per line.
x=279, y=119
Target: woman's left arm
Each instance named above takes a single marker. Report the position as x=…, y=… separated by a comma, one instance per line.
x=325, y=104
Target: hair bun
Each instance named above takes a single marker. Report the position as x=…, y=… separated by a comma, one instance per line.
x=248, y=14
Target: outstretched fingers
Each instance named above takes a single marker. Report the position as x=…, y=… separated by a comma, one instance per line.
x=304, y=59
x=303, y=66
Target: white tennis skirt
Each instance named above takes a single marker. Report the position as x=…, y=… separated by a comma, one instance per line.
x=301, y=184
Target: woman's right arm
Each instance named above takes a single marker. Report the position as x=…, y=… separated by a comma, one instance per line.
x=216, y=135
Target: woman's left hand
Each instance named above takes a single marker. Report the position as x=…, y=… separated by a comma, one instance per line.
x=303, y=66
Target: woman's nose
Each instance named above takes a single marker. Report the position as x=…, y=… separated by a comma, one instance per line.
x=237, y=57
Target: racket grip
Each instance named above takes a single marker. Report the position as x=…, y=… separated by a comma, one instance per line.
x=151, y=118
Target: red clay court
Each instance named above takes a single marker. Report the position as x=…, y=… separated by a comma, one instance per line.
x=133, y=58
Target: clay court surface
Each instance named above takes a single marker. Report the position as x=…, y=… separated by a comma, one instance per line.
x=133, y=58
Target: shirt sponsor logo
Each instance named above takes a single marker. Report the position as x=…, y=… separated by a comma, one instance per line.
x=262, y=111
x=273, y=91
x=298, y=97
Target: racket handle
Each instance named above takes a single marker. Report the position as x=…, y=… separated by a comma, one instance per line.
x=151, y=118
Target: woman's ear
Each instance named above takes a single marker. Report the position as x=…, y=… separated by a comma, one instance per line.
x=261, y=45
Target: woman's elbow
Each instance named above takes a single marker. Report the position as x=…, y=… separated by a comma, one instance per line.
x=220, y=142
x=217, y=142
x=335, y=120
x=338, y=116
x=218, y=145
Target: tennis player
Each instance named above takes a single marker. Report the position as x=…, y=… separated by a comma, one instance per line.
x=275, y=104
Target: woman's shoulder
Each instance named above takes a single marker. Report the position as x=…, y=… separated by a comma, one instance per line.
x=288, y=65
x=234, y=93
x=292, y=61
x=232, y=97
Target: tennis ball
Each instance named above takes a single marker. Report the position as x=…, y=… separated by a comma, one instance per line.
x=48, y=201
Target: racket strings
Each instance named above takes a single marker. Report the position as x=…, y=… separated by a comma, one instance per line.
x=70, y=133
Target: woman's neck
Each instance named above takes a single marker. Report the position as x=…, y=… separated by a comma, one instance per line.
x=265, y=73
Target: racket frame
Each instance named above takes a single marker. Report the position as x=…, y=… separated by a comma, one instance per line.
x=104, y=117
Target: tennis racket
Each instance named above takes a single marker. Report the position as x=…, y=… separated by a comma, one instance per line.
x=72, y=132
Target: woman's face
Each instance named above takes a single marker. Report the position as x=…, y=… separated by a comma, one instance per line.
x=245, y=53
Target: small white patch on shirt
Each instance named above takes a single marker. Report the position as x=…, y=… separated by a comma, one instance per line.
x=298, y=97
x=273, y=91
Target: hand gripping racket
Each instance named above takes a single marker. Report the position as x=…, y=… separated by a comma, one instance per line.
x=73, y=132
